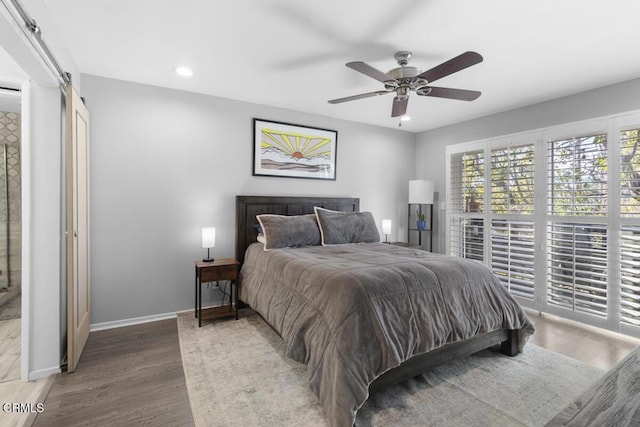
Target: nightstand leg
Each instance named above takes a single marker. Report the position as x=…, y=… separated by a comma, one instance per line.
x=200, y=304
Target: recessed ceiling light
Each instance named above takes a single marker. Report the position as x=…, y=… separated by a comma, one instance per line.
x=405, y=118
x=184, y=71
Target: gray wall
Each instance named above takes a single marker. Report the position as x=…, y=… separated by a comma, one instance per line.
x=431, y=145
x=165, y=163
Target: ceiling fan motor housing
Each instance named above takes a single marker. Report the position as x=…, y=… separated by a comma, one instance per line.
x=404, y=72
x=405, y=77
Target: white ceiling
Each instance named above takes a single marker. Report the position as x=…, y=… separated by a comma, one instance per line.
x=291, y=54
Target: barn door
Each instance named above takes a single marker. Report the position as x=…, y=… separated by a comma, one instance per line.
x=77, y=186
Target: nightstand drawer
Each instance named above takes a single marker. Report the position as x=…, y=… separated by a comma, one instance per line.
x=219, y=272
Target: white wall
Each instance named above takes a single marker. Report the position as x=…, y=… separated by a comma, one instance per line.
x=41, y=204
x=431, y=145
x=164, y=163
x=41, y=258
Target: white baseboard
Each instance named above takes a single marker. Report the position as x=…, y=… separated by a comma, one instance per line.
x=138, y=320
x=43, y=373
x=129, y=322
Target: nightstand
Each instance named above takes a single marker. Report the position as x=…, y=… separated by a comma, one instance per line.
x=220, y=269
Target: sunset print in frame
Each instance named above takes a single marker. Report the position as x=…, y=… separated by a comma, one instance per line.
x=292, y=151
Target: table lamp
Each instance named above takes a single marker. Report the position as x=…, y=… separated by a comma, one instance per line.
x=208, y=241
x=386, y=229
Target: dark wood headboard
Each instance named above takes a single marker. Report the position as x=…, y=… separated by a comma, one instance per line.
x=247, y=207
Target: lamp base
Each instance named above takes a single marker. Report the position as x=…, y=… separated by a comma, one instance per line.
x=208, y=258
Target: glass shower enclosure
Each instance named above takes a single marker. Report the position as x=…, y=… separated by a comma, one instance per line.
x=10, y=216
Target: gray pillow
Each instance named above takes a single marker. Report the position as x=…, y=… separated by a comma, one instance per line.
x=338, y=228
x=281, y=231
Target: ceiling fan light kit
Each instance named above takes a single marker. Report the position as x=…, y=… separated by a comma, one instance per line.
x=406, y=79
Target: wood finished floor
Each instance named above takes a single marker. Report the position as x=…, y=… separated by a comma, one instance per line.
x=134, y=376
x=126, y=376
x=12, y=388
x=597, y=347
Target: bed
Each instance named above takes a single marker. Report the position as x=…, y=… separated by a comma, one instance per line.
x=366, y=315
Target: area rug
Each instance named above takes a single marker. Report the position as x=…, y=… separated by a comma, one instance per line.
x=237, y=375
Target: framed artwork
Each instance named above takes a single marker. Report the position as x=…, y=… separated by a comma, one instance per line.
x=293, y=151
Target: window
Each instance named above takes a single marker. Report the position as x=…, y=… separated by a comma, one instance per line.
x=630, y=275
x=578, y=176
x=512, y=255
x=511, y=175
x=512, y=204
x=467, y=200
x=468, y=238
x=630, y=229
x=630, y=173
x=512, y=183
x=544, y=217
x=577, y=252
x=467, y=182
x=577, y=270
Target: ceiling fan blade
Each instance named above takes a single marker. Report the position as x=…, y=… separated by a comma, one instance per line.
x=399, y=106
x=445, y=92
x=453, y=65
x=369, y=71
x=361, y=96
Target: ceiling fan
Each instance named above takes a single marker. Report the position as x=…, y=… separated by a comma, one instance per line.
x=405, y=79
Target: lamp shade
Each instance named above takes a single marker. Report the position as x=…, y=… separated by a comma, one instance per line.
x=208, y=237
x=386, y=226
x=420, y=192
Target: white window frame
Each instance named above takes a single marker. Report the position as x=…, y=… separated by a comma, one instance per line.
x=612, y=125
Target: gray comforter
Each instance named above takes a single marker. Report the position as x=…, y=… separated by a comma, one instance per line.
x=352, y=312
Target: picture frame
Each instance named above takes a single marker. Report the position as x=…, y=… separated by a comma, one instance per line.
x=288, y=150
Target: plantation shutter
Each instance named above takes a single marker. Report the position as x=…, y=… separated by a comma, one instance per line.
x=578, y=176
x=630, y=232
x=512, y=202
x=512, y=186
x=576, y=232
x=577, y=271
x=512, y=255
x=466, y=196
x=630, y=275
x=467, y=238
x=570, y=245
x=630, y=174
x=466, y=189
